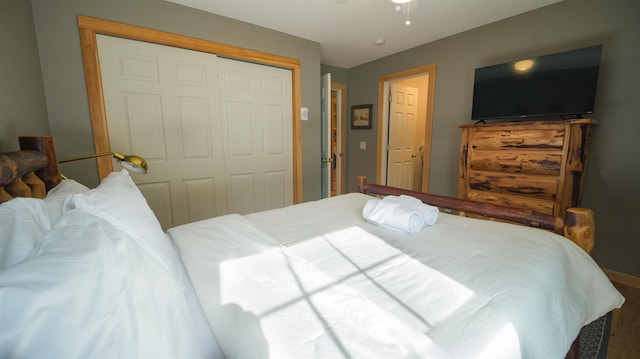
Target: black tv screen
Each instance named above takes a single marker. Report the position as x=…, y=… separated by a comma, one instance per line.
x=557, y=85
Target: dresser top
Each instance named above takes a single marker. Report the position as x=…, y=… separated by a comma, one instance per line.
x=533, y=123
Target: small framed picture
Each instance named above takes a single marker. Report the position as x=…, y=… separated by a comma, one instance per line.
x=361, y=116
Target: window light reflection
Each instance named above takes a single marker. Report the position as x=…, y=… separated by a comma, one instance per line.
x=366, y=263
x=362, y=261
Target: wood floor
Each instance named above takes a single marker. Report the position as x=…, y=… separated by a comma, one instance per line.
x=624, y=342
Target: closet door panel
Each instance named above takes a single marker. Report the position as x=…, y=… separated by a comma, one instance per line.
x=257, y=126
x=162, y=103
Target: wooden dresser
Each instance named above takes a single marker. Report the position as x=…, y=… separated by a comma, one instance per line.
x=534, y=165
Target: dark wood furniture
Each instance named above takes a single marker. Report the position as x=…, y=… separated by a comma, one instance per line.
x=532, y=165
x=30, y=172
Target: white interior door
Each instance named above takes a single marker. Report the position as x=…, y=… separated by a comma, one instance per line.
x=256, y=110
x=402, y=128
x=216, y=137
x=325, y=151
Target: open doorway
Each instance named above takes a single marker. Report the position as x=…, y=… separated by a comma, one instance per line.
x=333, y=102
x=405, y=115
x=338, y=123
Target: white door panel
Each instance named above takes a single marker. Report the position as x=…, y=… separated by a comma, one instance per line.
x=257, y=123
x=402, y=127
x=162, y=104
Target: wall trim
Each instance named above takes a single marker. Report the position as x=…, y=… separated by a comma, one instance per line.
x=382, y=122
x=622, y=278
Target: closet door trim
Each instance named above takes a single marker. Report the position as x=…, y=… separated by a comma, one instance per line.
x=89, y=27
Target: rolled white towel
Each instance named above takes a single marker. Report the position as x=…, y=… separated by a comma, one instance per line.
x=429, y=213
x=393, y=216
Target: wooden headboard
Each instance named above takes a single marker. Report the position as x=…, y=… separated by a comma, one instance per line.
x=578, y=224
x=30, y=172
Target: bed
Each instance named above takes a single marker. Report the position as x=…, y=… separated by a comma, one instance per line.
x=89, y=273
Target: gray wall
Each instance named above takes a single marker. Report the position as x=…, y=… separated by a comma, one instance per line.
x=63, y=76
x=22, y=106
x=611, y=187
x=338, y=74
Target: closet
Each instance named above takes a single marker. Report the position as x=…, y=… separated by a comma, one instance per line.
x=216, y=132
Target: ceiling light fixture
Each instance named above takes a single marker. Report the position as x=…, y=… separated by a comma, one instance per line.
x=523, y=65
x=403, y=4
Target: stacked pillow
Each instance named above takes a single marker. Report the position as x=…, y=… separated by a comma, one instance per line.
x=23, y=224
x=90, y=273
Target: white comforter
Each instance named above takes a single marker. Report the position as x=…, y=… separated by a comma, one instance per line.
x=343, y=287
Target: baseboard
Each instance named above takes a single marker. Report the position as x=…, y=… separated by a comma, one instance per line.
x=623, y=278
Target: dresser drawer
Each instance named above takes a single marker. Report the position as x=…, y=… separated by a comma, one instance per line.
x=539, y=162
x=543, y=139
x=532, y=203
x=515, y=184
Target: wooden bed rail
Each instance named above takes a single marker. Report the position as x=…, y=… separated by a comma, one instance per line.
x=49, y=174
x=578, y=225
x=17, y=178
x=30, y=172
x=16, y=164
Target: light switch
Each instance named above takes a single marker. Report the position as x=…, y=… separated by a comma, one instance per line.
x=363, y=145
x=304, y=113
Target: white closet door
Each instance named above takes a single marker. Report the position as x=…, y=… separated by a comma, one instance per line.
x=162, y=103
x=217, y=133
x=256, y=116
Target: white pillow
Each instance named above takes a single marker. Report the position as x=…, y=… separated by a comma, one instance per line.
x=118, y=200
x=89, y=291
x=56, y=196
x=23, y=223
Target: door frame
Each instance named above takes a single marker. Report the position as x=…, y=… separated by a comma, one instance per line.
x=341, y=89
x=89, y=27
x=383, y=120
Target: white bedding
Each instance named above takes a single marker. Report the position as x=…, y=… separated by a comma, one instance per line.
x=477, y=289
x=90, y=274
x=261, y=301
x=87, y=291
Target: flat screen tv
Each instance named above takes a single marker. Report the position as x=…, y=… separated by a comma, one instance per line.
x=554, y=86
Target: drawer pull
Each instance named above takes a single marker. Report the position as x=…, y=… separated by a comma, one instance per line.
x=507, y=186
x=512, y=140
x=510, y=163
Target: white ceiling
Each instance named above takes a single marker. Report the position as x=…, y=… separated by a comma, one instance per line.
x=347, y=29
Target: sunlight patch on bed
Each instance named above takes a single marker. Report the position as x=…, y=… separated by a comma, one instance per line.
x=275, y=292
x=385, y=274
x=271, y=277
x=504, y=341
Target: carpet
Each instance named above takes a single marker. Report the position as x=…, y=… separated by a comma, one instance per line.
x=594, y=338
